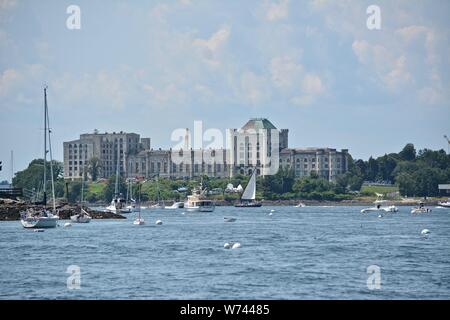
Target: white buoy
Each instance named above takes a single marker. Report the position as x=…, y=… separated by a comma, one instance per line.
x=158, y=222
x=270, y=214
x=272, y=210
x=236, y=245
x=182, y=213
x=425, y=232
x=380, y=216
x=67, y=224
x=227, y=245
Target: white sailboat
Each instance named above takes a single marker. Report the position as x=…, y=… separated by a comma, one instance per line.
x=83, y=216
x=249, y=195
x=118, y=203
x=43, y=218
x=139, y=220
x=160, y=204
x=131, y=202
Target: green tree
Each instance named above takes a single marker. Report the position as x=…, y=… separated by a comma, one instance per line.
x=408, y=153
x=94, y=167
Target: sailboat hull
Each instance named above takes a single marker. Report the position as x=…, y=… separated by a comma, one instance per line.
x=248, y=205
x=40, y=222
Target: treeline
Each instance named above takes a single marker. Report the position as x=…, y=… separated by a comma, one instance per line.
x=415, y=173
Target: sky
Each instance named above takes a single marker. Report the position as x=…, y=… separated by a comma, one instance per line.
x=151, y=67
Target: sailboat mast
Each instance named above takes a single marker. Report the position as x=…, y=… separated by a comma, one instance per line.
x=51, y=162
x=45, y=147
x=116, y=188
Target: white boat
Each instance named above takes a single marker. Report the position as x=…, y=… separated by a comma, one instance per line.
x=43, y=218
x=176, y=205
x=380, y=208
x=82, y=217
x=38, y=219
x=139, y=220
x=445, y=204
x=300, y=205
x=118, y=203
x=197, y=202
x=249, y=195
x=420, y=209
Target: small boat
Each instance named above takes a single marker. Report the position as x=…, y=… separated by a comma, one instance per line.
x=445, y=204
x=300, y=205
x=176, y=205
x=118, y=203
x=248, y=196
x=420, y=209
x=225, y=219
x=82, y=217
x=139, y=221
x=380, y=208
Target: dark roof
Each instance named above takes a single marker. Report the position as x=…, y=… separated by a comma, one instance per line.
x=258, y=123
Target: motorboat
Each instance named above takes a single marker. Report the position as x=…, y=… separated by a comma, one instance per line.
x=445, y=204
x=300, y=205
x=197, y=202
x=176, y=205
x=249, y=195
x=420, y=209
x=380, y=208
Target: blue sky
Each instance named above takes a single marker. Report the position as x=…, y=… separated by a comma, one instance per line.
x=153, y=66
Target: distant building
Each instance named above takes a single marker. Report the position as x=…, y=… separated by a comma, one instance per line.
x=327, y=163
x=258, y=145
x=108, y=147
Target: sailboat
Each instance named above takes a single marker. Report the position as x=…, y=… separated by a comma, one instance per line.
x=83, y=216
x=118, y=204
x=248, y=196
x=43, y=218
x=158, y=205
x=139, y=221
x=131, y=203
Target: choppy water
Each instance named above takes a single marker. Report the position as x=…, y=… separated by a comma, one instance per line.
x=296, y=253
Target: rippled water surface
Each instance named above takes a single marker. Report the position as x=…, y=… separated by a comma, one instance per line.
x=295, y=253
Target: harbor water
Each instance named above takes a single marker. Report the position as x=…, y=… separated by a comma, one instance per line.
x=293, y=253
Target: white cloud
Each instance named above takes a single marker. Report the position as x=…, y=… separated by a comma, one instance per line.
x=285, y=72
x=8, y=80
x=277, y=11
x=312, y=84
x=210, y=49
x=254, y=89
x=7, y=4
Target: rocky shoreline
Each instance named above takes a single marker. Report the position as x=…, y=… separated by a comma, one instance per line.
x=10, y=210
